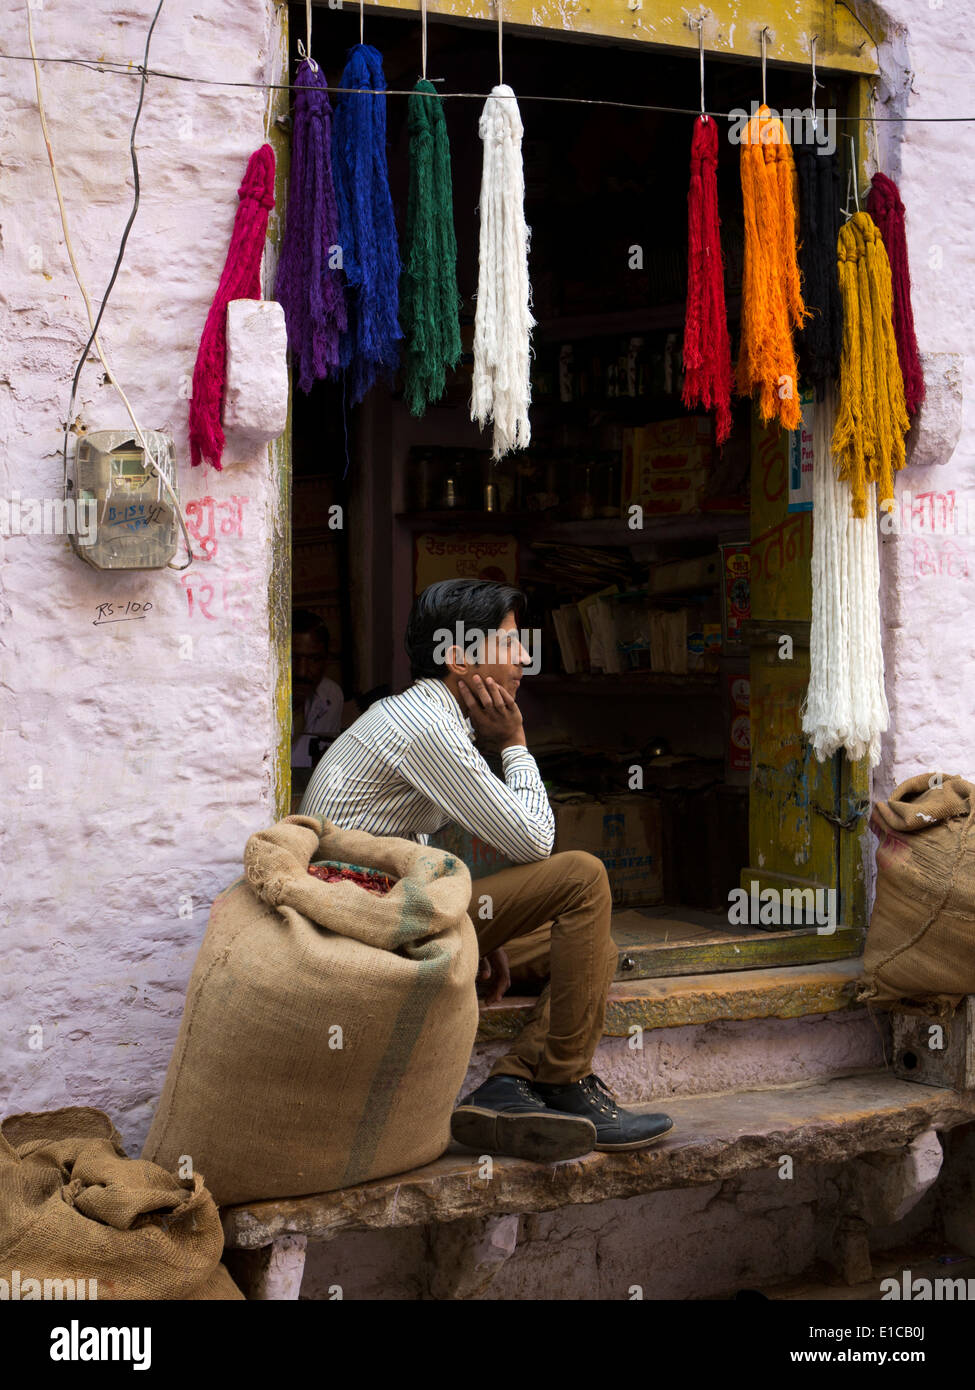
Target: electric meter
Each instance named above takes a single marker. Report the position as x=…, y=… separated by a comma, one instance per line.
x=135, y=516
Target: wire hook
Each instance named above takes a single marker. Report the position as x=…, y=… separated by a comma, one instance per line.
x=765, y=30
x=500, y=6
x=423, y=38
x=700, y=54
x=815, y=83
x=304, y=49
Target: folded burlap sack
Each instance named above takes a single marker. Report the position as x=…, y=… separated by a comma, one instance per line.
x=921, y=941
x=74, y=1211
x=327, y=1029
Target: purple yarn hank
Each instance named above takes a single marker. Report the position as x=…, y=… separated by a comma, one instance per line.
x=367, y=226
x=307, y=288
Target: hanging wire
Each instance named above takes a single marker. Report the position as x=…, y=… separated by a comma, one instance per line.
x=500, y=5
x=815, y=83
x=423, y=38
x=764, y=32
x=106, y=67
x=362, y=22
x=700, y=54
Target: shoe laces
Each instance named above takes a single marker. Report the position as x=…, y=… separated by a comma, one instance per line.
x=600, y=1095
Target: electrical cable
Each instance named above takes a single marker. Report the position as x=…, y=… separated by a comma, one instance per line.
x=92, y=320
x=129, y=70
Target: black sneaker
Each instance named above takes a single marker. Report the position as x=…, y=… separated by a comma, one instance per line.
x=506, y=1116
x=616, y=1129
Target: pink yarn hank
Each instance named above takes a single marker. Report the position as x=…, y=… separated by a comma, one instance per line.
x=241, y=279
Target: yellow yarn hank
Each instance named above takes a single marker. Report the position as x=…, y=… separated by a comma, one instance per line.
x=771, y=293
x=871, y=419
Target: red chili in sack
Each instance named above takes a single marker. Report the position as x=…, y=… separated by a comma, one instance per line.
x=373, y=883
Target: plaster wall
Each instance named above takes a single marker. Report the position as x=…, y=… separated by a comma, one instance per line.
x=136, y=756
x=928, y=580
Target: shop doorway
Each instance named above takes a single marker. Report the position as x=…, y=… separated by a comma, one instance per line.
x=641, y=730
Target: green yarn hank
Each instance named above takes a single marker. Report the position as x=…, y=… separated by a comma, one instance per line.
x=429, y=301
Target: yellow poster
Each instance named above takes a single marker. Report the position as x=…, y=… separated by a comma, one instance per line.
x=449, y=555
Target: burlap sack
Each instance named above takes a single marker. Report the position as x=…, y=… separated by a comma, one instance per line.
x=74, y=1209
x=921, y=942
x=327, y=1030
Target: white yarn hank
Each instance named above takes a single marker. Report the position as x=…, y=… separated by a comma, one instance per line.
x=846, y=703
x=501, y=390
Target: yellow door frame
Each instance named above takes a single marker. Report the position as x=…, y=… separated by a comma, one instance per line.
x=732, y=30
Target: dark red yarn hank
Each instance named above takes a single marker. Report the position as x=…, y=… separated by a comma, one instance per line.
x=885, y=207
x=241, y=279
x=707, y=347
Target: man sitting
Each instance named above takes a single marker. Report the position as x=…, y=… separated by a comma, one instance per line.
x=408, y=767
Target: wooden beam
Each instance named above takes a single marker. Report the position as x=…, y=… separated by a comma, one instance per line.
x=732, y=28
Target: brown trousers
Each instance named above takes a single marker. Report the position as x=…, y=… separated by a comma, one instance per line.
x=553, y=920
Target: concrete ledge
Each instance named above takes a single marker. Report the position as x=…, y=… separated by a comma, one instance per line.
x=780, y=992
x=715, y=1137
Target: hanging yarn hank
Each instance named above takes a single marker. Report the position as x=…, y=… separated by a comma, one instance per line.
x=846, y=702
x=707, y=348
x=241, y=279
x=771, y=300
x=309, y=290
x=501, y=388
x=820, y=340
x=429, y=301
x=871, y=419
x=369, y=348
x=885, y=207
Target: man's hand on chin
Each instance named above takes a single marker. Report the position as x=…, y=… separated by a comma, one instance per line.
x=493, y=711
x=494, y=968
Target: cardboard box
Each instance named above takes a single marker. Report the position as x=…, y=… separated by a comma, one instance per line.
x=480, y=857
x=625, y=833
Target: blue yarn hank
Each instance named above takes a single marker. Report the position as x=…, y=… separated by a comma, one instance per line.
x=369, y=348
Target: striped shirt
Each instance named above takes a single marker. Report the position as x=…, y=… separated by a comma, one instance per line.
x=408, y=767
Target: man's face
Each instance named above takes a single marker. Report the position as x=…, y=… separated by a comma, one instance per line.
x=505, y=657
x=308, y=661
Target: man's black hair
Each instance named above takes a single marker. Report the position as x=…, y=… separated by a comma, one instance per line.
x=304, y=621
x=480, y=604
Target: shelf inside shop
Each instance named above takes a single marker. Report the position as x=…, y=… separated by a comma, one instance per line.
x=650, y=318
x=597, y=531
x=626, y=683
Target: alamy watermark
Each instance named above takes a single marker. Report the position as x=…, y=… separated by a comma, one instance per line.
x=18, y=1289
x=495, y=646
x=785, y=907
x=802, y=127
x=49, y=516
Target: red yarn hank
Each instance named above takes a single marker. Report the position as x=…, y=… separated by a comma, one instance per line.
x=885, y=207
x=707, y=347
x=241, y=279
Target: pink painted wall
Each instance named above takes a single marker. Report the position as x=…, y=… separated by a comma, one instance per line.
x=929, y=581
x=137, y=755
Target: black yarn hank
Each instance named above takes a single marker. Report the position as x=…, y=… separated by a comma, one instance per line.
x=820, y=340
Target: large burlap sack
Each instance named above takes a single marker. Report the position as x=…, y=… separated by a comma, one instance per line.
x=921, y=942
x=80, y=1220
x=327, y=1029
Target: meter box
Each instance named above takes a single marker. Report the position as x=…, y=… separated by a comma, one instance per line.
x=135, y=516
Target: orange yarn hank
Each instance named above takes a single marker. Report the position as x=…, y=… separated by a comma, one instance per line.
x=771, y=298
x=871, y=420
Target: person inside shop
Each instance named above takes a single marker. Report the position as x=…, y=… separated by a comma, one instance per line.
x=317, y=702
x=414, y=763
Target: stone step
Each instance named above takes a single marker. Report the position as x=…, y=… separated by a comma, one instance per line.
x=693, y=1034
x=714, y=1137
